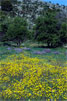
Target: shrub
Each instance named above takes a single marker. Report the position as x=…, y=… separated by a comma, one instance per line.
x=17, y=31
x=63, y=33
x=47, y=29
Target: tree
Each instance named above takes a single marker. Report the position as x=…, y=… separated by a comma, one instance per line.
x=47, y=29
x=6, y=5
x=63, y=33
x=5, y=21
x=17, y=31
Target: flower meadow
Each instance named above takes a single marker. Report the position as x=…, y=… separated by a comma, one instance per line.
x=22, y=77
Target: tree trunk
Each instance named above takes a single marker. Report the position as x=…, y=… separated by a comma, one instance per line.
x=18, y=43
x=48, y=44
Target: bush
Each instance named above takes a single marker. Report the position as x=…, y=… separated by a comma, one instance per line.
x=17, y=31
x=46, y=29
x=5, y=21
x=63, y=33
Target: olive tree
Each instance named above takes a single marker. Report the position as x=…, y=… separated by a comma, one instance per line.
x=17, y=31
x=47, y=29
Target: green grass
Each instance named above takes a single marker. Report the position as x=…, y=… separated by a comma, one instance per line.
x=49, y=57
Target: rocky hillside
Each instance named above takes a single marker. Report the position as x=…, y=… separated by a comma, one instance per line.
x=31, y=9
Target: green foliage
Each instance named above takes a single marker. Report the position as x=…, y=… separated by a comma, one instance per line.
x=2, y=17
x=47, y=29
x=4, y=23
x=17, y=31
x=63, y=33
x=6, y=5
x=5, y=20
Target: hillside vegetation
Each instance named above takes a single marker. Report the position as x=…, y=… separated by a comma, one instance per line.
x=35, y=20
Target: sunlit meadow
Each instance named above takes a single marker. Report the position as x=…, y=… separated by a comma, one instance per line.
x=26, y=78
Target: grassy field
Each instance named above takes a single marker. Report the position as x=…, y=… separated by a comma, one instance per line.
x=30, y=73
x=33, y=50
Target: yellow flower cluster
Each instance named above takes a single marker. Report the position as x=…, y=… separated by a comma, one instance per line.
x=25, y=77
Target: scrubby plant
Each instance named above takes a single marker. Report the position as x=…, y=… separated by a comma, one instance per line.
x=63, y=33
x=49, y=31
x=5, y=20
x=46, y=29
x=17, y=31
